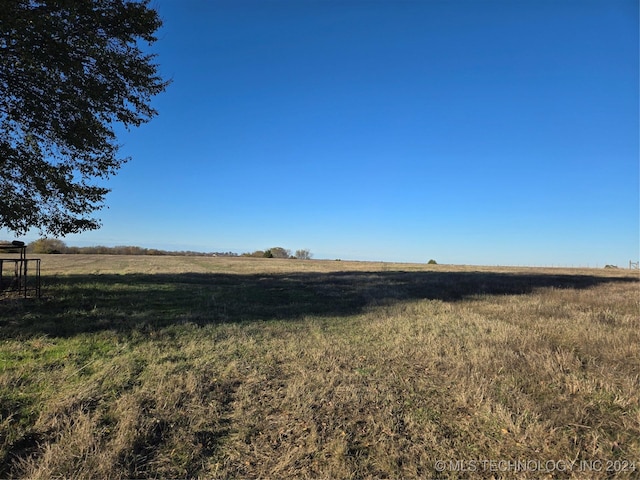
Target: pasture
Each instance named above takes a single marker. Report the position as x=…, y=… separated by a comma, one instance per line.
x=183, y=367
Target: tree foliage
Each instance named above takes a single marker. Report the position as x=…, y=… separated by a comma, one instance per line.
x=69, y=71
x=303, y=254
x=280, y=252
x=47, y=245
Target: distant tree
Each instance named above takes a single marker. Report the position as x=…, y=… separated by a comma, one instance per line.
x=256, y=254
x=303, y=254
x=432, y=262
x=267, y=253
x=47, y=245
x=69, y=71
x=279, y=252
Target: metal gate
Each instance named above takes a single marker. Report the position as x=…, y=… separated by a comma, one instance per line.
x=19, y=275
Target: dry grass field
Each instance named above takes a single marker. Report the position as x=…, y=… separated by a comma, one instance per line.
x=185, y=367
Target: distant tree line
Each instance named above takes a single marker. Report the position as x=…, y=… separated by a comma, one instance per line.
x=54, y=246
x=279, y=252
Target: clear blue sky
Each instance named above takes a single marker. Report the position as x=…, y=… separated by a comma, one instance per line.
x=476, y=132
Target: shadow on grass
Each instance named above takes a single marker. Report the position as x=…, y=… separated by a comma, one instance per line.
x=89, y=303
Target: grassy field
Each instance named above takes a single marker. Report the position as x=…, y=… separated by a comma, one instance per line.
x=181, y=367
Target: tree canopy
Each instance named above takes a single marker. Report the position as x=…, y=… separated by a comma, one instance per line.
x=69, y=71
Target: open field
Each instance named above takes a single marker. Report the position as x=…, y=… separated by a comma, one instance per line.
x=180, y=367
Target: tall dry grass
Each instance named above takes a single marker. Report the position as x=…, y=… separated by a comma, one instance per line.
x=472, y=367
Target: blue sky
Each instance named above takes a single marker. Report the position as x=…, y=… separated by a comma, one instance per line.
x=473, y=132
